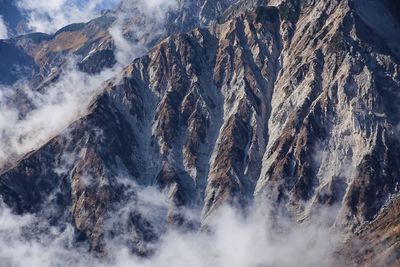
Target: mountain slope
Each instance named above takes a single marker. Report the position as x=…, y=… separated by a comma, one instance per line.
x=377, y=243
x=292, y=104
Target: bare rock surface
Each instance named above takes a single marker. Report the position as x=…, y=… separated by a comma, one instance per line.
x=293, y=103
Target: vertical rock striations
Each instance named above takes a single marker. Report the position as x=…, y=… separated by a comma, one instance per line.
x=289, y=103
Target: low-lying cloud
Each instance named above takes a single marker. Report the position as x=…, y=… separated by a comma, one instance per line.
x=54, y=109
x=231, y=239
x=149, y=25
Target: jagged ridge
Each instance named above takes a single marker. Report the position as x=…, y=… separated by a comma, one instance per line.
x=280, y=103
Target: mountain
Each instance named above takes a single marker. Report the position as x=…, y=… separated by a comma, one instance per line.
x=292, y=104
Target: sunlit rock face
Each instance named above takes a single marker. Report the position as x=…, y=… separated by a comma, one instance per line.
x=290, y=104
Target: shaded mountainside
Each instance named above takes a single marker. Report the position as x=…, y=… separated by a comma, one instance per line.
x=293, y=103
x=41, y=56
x=377, y=243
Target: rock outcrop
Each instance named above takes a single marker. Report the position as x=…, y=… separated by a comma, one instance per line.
x=290, y=103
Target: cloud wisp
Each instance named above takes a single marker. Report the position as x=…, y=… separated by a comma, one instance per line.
x=149, y=20
x=54, y=109
x=50, y=16
x=231, y=239
x=3, y=29
x=66, y=100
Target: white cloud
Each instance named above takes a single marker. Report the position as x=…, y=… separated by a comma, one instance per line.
x=3, y=29
x=231, y=240
x=56, y=107
x=149, y=25
x=50, y=16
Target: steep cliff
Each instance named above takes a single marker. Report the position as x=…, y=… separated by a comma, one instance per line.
x=292, y=104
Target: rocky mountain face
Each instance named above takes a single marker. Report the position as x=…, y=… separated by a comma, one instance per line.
x=290, y=103
x=377, y=242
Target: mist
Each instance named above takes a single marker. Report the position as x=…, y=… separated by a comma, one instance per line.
x=50, y=16
x=3, y=29
x=54, y=109
x=231, y=239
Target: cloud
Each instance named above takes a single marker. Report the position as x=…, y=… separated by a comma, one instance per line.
x=3, y=29
x=149, y=26
x=50, y=16
x=231, y=239
x=55, y=108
